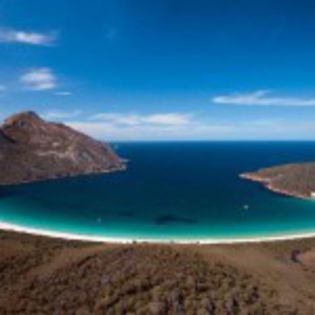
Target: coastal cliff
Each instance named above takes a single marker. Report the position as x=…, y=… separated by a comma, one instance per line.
x=32, y=149
x=296, y=180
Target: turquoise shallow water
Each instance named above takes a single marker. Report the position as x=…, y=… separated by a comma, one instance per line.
x=171, y=191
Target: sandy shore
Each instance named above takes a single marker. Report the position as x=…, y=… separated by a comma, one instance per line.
x=118, y=240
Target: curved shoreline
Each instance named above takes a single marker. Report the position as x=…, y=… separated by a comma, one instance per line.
x=117, y=240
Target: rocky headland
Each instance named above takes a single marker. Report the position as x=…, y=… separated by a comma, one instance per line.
x=296, y=180
x=32, y=149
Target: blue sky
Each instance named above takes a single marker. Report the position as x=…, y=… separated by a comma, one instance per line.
x=162, y=70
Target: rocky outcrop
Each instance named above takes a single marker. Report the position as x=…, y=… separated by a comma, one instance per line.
x=296, y=180
x=32, y=149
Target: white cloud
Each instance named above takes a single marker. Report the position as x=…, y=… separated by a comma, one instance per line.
x=262, y=97
x=63, y=93
x=39, y=79
x=182, y=126
x=260, y=129
x=126, y=126
x=165, y=126
x=168, y=119
x=109, y=131
x=25, y=37
x=58, y=114
x=138, y=119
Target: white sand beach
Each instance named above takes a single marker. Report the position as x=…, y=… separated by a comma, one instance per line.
x=82, y=237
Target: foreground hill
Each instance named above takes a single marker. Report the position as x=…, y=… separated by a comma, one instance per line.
x=32, y=149
x=296, y=180
x=49, y=276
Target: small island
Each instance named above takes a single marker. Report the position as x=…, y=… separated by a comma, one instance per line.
x=296, y=180
x=32, y=149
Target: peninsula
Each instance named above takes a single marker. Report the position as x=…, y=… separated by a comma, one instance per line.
x=296, y=180
x=32, y=149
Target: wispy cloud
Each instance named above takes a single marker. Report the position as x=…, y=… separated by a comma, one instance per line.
x=181, y=126
x=26, y=37
x=110, y=131
x=262, y=97
x=138, y=119
x=2, y=87
x=63, y=93
x=134, y=126
x=197, y=128
x=39, y=79
x=58, y=114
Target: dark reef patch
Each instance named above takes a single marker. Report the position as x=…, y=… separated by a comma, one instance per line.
x=171, y=219
x=126, y=214
x=5, y=192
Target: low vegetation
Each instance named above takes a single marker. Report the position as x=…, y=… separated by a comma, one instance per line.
x=49, y=276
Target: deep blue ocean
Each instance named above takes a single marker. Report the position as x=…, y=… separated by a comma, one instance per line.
x=170, y=191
